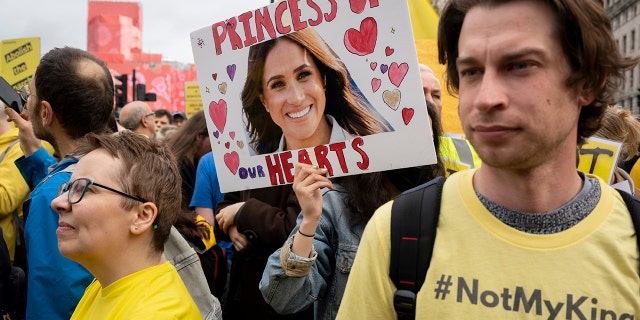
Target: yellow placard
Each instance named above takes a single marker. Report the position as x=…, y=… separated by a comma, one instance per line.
x=599, y=157
x=451, y=166
x=192, y=98
x=20, y=57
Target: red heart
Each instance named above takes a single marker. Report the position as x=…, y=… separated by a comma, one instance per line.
x=397, y=72
x=218, y=113
x=375, y=84
x=407, y=115
x=214, y=76
x=364, y=41
x=388, y=51
x=227, y=144
x=232, y=160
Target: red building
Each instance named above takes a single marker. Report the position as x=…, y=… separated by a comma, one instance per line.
x=114, y=34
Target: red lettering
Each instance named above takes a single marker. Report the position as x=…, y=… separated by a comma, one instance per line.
x=315, y=8
x=373, y=3
x=275, y=170
x=355, y=144
x=321, y=156
x=249, y=38
x=295, y=15
x=218, y=37
x=337, y=148
x=328, y=17
x=287, y=166
x=303, y=156
x=263, y=21
x=282, y=6
x=236, y=41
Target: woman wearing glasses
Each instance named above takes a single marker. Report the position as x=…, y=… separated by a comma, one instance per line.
x=115, y=223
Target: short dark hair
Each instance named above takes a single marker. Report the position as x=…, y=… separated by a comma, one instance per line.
x=82, y=101
x=141, y=160
x=584, y=31
x=164, y=112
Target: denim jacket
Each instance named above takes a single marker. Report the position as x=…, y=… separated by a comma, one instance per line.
x=323, y=276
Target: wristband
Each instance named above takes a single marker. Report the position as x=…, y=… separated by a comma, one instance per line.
x=306, y=235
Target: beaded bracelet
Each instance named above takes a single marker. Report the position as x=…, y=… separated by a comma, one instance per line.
x=306, y=235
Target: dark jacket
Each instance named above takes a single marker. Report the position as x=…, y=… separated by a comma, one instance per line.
x=266, y=219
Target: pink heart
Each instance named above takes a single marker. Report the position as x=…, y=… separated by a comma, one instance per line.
x=397, y=72
x=375, y=84
x=364, y=41
x=407, y=115
x=373, y=65
x=388, y=51
x=232, y=160
x=218, y=113
x=232, y=134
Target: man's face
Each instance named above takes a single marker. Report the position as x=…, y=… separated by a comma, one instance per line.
x=431, y=89
x=515, y=107
x=178, y=121
x=34, y=109
x=161, y=121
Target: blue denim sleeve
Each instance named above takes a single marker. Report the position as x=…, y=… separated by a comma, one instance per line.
x=288, y=294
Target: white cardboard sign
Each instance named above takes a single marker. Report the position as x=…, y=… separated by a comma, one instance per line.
x=372, y=39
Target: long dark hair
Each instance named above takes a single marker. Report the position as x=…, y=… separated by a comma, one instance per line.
x=343, y=102
x=367, y=192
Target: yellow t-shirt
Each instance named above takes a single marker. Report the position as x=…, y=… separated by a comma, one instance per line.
x=153, y=293
x=484, y=269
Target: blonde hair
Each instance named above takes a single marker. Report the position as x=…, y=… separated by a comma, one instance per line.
x=619, y=125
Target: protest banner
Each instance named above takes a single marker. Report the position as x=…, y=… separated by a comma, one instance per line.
x=366, y=57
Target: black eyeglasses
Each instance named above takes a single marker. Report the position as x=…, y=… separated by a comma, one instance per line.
x=79, y=187
x=150, y=114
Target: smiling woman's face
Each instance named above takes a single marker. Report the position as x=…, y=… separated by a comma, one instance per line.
x=293, y=93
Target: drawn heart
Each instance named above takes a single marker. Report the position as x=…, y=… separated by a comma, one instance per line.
x=373, y=65
x=384, y=68
x=397, y=73
x=232, y=160
x=364, y=41
x=388, y=51
x=216, y=134
x=357, y=6
x=407, y=115
x=231, y=71
x=375, y=84
x=214, y=76
x=240, y=144
x=222, y=88
x=232, y=134
x=227, y=144
x=391, y=98
x=218, y=113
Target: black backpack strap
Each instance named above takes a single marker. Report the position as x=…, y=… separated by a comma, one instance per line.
x=414, y=218
x=633, y=204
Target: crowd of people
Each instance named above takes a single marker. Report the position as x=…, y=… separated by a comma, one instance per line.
x=111, y=215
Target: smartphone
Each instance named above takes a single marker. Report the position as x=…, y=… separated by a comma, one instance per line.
x=10, y=96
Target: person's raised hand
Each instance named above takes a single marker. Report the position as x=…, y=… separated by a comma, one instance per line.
x=307, y=182
x=29, y=143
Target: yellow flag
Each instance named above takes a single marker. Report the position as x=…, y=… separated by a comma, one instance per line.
x=424, y=19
